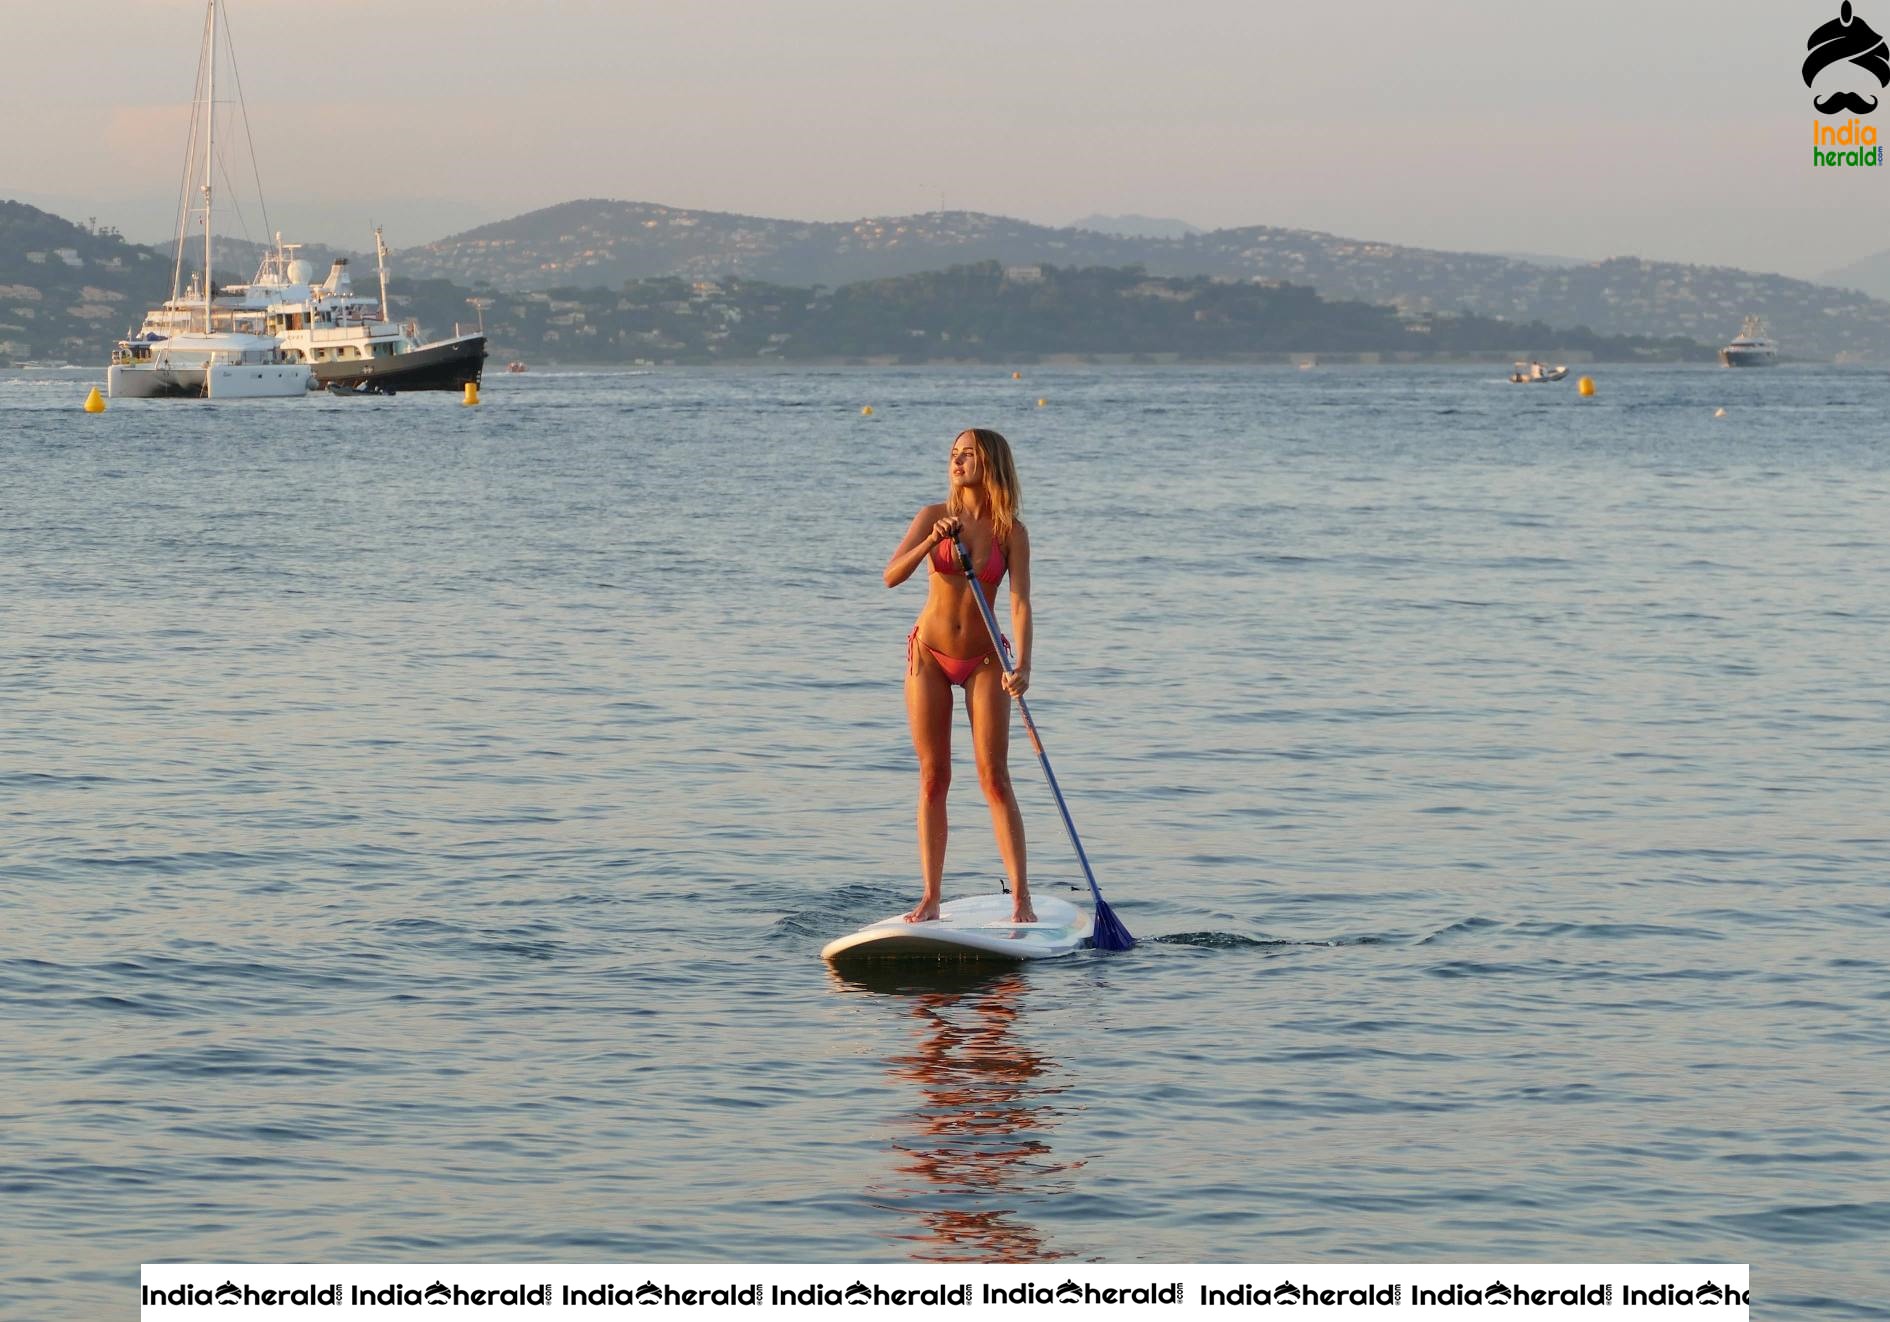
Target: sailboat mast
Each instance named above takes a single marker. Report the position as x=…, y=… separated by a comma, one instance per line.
x=209, y=160
x=380, y=260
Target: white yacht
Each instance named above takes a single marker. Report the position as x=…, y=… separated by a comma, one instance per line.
x=348, y=340
x=185, y=349
x=1751, y=348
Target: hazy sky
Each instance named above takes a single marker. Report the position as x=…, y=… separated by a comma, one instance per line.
x=1675, y=129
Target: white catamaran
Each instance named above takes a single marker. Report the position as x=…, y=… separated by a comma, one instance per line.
x=189, y=348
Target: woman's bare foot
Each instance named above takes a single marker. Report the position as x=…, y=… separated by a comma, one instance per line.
x=926, y=912
x=1021, y=912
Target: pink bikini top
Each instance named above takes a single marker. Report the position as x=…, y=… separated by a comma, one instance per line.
x=945, y=561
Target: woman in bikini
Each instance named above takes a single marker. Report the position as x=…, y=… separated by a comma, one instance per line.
x=950, y=646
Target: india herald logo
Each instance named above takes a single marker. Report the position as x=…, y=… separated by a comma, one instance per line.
x=1847, y=39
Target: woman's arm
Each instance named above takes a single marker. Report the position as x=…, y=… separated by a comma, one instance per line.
x=1018, y=559
x=927, y=531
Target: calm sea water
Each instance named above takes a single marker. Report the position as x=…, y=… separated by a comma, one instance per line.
x=420, y=824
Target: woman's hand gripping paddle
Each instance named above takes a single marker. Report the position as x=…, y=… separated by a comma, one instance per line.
x=1110, y=934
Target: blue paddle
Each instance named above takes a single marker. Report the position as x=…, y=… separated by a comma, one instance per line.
x=1110, y=934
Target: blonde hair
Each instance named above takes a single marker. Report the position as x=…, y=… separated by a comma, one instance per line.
x=999, y=488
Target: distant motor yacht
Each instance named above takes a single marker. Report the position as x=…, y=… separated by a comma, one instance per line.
x=349, y=340
x=1752, y=348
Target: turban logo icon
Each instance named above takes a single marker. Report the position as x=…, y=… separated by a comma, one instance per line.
x=1847, y=38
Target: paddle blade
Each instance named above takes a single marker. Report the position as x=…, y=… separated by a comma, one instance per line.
x=1110, y=934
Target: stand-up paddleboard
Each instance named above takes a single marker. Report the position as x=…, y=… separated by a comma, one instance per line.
x=975, y=927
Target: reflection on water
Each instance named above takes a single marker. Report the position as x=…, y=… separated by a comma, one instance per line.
x=974, y=1150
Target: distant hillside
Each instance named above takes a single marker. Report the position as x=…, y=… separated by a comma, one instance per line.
x=1137, y=227
x=605, y=243
x=988, y=313
x=67, y=291
x=1871, y=276
x=598, y=242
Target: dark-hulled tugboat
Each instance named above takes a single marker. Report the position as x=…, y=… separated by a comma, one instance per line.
x=350, y=341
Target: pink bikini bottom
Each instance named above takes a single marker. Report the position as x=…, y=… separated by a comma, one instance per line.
x=958, y=669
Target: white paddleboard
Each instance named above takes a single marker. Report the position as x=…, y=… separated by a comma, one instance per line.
x=975, y=927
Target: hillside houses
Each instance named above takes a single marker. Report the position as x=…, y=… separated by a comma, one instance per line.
x=605, y=274
x=608, y=242
x=66, y=290
x=983, y=313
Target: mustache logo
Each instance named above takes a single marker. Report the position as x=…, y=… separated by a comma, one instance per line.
x=1838, y=102
x=1847, y=38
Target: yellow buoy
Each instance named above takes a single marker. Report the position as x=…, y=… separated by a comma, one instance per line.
x=1017, y=376
x=1042, y=402
x=867, y=411
x=95, y=402
x=472, y=393
x=1585, y=387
